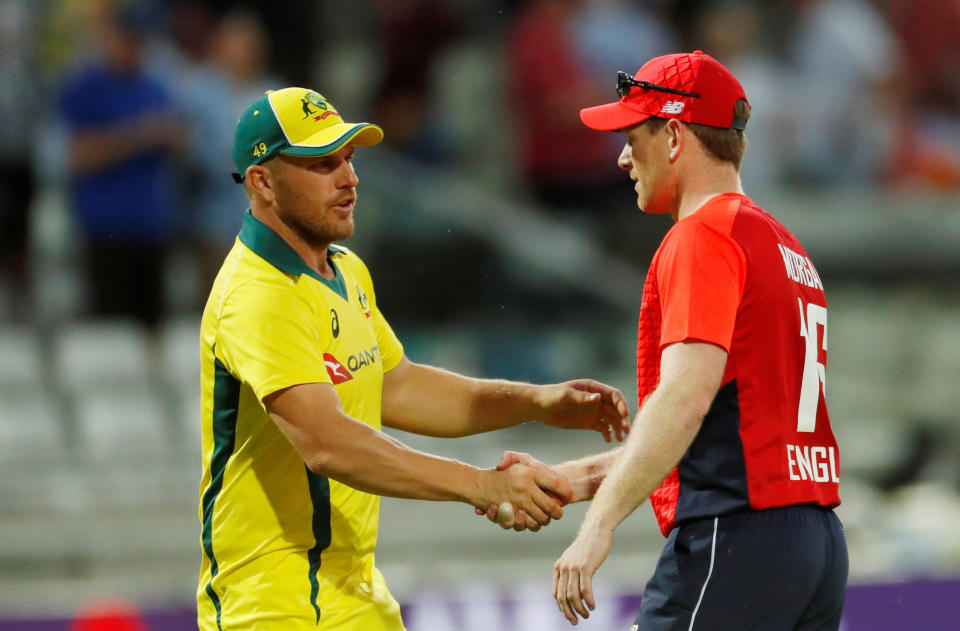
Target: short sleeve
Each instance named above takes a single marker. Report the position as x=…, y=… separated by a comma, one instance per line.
x=269, y=339
x=701, y=273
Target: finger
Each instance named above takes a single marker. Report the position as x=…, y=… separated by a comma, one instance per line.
x=616, y=409
x=604, y=428
x=561, y=598
x=556, y=581
x=574, y=598
x=512, y=457
x=534, y=509
x=506, y=524
x=548, y=480
x=532, y=524
x=586, y=589
x=545, y=502
x=492, y=511
x=520, y=520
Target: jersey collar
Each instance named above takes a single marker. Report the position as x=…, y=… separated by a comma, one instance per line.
x=271, y=247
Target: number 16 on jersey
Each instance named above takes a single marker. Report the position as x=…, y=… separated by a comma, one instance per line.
x=812, y=320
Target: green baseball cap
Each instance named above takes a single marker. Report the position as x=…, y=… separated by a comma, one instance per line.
x=294, y=122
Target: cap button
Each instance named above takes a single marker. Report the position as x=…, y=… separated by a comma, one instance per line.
x=698, y=52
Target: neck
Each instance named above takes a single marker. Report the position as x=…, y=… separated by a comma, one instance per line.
x=702, y=183
x=315, y=256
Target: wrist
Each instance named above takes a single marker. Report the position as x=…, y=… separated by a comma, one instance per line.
x=538, y=399
x=597, y=525
x=480, y=495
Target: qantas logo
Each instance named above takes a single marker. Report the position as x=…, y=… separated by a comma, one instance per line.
x=338, y=373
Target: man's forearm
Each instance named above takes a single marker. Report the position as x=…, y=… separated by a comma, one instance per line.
x=586, y=474
x=369, y=460
x=458, y=405
x=664, y=429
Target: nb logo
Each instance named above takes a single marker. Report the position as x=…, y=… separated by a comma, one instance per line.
x=672, y=107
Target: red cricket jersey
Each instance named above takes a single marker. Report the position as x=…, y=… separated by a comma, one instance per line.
x=731, y=275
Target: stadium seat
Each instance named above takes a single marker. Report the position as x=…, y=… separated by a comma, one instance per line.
x=102, y=353
x=32, y=451
x=180, y=351
x=122, y=426
x=30, y=430
x=937, y=372
x=21, y=361
x=187, y=422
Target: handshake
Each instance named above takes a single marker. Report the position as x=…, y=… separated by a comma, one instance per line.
x=524, y=494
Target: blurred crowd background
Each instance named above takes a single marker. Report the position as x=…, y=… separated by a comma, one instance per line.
x=502, y=238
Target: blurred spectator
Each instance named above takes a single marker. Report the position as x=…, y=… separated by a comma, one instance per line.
x=213, y=91
x=18, y=100
x=567, y=165
x=730, y=31
x=412, y=35
x=928, y=148
x=122, y=131
x=612, y=35
x=849, y=65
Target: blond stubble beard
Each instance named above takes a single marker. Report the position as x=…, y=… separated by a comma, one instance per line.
x=317, y=231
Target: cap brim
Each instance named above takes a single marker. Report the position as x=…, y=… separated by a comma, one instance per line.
x=611, y=117
x=334, y=138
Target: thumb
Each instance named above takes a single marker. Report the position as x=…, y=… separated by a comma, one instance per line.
x=584, y=396
x=554, y=483
x=512, y=458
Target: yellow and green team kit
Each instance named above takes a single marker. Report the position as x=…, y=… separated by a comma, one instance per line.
x=285, y=548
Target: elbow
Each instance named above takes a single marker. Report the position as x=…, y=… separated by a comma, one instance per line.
x=321, y=462
x=695, y=409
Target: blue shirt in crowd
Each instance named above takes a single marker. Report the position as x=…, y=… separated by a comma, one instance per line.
x=133, y=199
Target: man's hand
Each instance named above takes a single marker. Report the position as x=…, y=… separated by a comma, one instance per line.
x=521, y=521
x=536, y=492
x=573, y=572
x=585, y=404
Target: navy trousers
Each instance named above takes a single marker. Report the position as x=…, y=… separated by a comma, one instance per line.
x=782, y=569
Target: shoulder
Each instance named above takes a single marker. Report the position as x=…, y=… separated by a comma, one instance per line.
x=722, y=217
x=721, y=211
x=340, y=252
x=348, y=260
x=254, y=286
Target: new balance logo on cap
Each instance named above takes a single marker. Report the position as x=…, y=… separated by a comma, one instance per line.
x=672, y=107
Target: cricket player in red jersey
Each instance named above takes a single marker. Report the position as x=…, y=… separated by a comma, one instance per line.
x=732, y=443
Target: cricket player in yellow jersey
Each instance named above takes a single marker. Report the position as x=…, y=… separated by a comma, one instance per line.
x=299, y=370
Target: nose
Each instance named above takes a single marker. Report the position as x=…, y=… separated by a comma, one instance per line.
x=348, y=177
x=625, y=161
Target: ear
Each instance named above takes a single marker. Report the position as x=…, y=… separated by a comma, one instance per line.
x=675, y=139
x=259, y=182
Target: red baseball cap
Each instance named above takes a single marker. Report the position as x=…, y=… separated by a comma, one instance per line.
x=690, y=87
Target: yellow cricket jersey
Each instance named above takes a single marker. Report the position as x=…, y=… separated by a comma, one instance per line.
x=284, y=548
